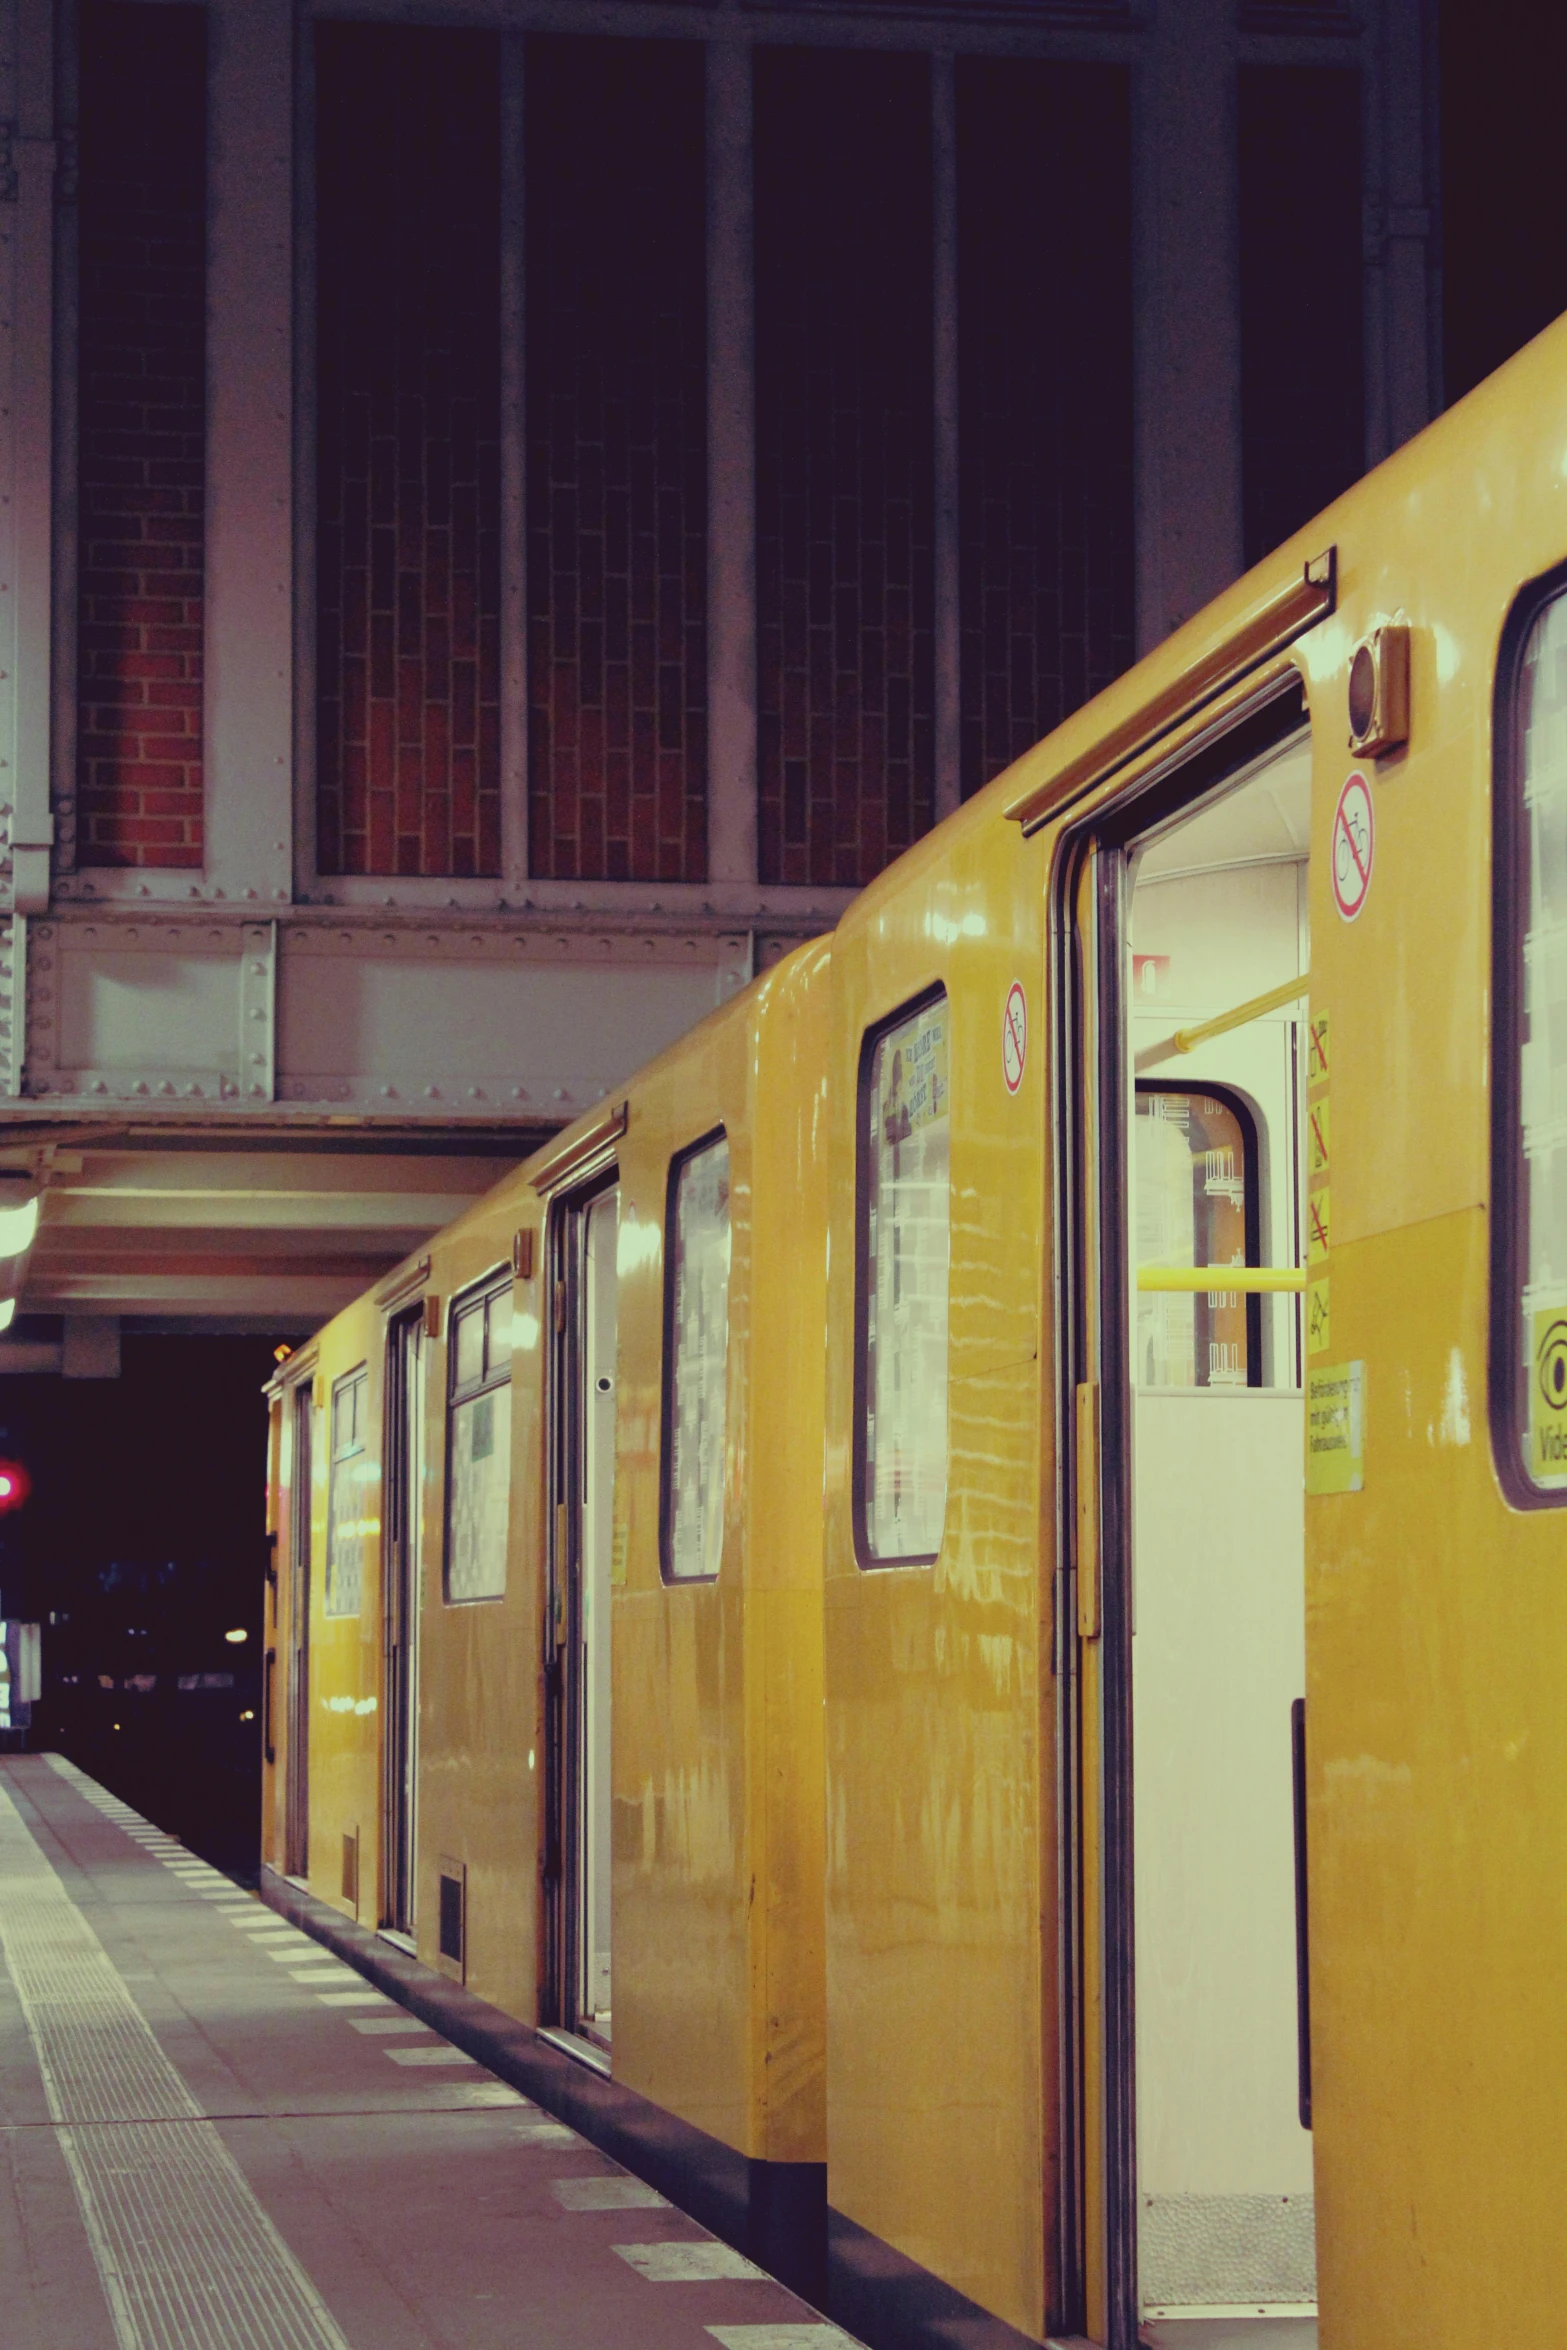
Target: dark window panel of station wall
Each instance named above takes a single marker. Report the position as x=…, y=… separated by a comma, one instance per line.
x=141, y=452
x=1302, y=394
x=845, y=462
x=1504, y=257
x=616, y=300
x=1046, y=564
x=408, y=450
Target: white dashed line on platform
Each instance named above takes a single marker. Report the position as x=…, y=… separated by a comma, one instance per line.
x=615, y=2194
x=822, y=2337
x=440, y=2055
x=689, y=2264
x=387, y=2023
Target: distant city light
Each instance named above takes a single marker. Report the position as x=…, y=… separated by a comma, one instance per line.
x=249, y=1714
x=15, y=1485
x=237, y=1634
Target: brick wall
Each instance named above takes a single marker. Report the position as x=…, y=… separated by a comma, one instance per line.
x=1046, y=578
x=845, y=483
x=408, y=450
x=1302, y=397
x=616, y=459
x=142, y=434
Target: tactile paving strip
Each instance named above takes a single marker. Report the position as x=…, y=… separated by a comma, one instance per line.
x=188, y=2258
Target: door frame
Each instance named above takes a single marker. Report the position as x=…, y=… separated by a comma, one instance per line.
x=1096, y=2220
x=301, y=1475
x=401, y=1602
x=562, y=1629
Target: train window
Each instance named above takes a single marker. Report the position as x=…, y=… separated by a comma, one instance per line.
x=479, y=1444
x=904, y=1248
x=1196, y=1204
x=1535, y=912
x=696, y=1360
x=345, y=1495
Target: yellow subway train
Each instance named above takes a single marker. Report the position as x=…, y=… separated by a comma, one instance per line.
x=956, y=1595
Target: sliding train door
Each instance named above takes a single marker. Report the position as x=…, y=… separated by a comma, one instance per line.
x=578, y=1632
x=296, y=1815
x=1191, y=1054
x=401, y=1545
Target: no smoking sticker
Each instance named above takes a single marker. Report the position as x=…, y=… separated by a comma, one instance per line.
x=1354, y=846
x=1014, y=1036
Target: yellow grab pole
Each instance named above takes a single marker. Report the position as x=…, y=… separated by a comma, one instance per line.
x=1186, y=1040
x=1189, y=1279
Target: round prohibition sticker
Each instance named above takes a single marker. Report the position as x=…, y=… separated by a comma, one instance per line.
x=1014, y=1036
x=1354, y=846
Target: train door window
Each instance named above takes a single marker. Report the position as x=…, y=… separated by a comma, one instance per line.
x=1194, y=1158
x=345, y=1495
x=595, y=1581
x=696, y=1360
x=402, y=1554
x=1206, y=1642
x=479, y=1443
x=1532, y=1067
x=296, y=1824
x=903, y=1253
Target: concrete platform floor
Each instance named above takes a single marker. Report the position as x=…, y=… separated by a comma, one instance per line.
x=215, y=2136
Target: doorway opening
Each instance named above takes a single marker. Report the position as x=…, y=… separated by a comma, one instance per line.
x=1193, y=1058
x=401, y=1555
x=578, y=1632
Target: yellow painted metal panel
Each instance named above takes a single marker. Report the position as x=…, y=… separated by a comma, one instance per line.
x=717, y=1743
x=941, y=2025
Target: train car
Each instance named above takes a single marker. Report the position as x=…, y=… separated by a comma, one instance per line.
x=546, y=1649
x=1194, y=1761
x=1185, y=1119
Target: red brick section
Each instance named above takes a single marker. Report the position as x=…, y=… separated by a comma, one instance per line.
x=845, y=466
x=142, y=423
x=408, y=450
x=1045, y=397
x=616, y=481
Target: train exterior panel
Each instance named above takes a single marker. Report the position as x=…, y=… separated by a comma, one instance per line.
x=940, y=1885
x=717, y=1763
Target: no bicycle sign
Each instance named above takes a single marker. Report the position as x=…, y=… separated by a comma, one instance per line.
x=1354, y=846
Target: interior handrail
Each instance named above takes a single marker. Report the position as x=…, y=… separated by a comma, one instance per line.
x=1185, y=1280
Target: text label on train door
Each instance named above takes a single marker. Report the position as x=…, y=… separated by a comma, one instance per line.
x=1354, y=846
x=1014, y=1036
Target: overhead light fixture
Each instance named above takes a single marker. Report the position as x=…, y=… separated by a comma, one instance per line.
x=17, y=1227
x=7, y=1312
x=237, y=1634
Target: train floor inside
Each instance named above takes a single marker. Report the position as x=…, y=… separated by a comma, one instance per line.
x=217, y=2136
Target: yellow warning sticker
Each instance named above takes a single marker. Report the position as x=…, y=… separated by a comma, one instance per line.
x=1317, y=1138
x=1317, y=1315
x=1317, y=1227
x=1548, y=1398
x=1317, y=1051
x=1336, y=1428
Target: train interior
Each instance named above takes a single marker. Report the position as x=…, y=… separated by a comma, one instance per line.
x=1225, y=2222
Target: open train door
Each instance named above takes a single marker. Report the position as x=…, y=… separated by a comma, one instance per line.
x=1183, y=1195
x=584, y=1232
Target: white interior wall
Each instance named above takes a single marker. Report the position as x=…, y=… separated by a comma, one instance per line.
x=1225, y=2169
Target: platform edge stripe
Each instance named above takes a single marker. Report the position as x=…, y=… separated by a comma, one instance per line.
x=188, y=2257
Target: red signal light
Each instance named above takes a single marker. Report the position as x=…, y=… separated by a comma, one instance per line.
x=15, y=1486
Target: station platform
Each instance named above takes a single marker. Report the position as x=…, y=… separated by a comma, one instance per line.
x=220, y=2136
